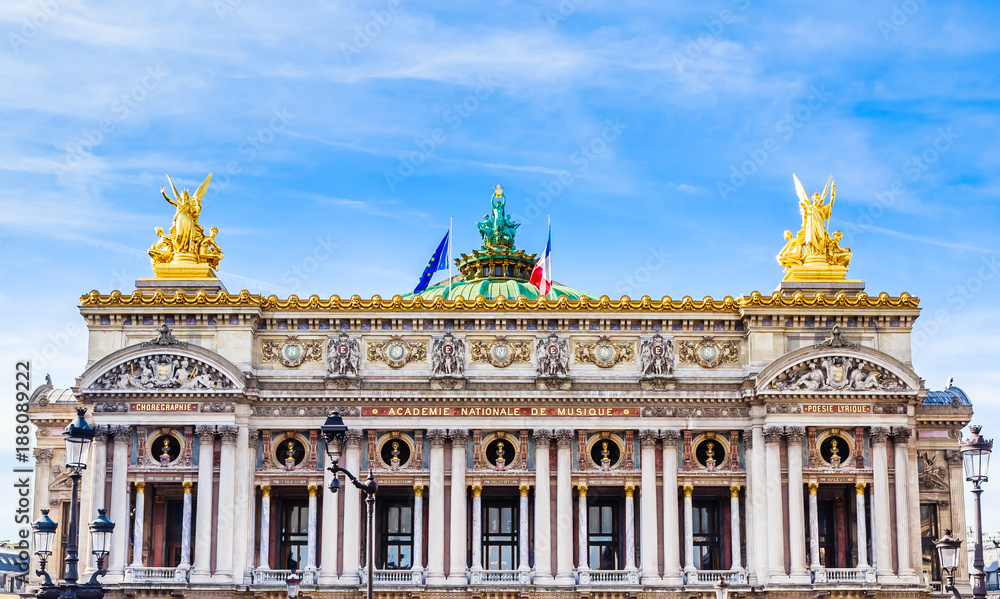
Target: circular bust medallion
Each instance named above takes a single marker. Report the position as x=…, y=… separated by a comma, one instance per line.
x=396, y=352
x=291, y=354
x=605, y=355
x=500, y=354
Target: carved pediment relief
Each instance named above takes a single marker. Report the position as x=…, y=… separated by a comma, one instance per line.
x=836, y=373
x=163, y=371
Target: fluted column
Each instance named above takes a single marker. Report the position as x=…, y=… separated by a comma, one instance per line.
x=796, y=518
x=671, y=548
x=814, y=563
x=773, y=501
x=119, y=503
x=734, y=531
x=352, y=511
x=757, y=504
x=227, y=493
x=900, y=441
x=748, y=457
x=457, y=563
x=630, y=527
x=564, y=508
x=93, y=498
x=688, y=530
x=862, y=526
x=138, y=521
x=264, y=561
x=582, y=559
x=331, y=524
x=650, y=552
x=543, y=482
x=203, y=536
x=418, y=528
x=522, y=530
x=185, y=565
x=477, y=527
x=242, y=504
x=882, y=536
x=435, y=514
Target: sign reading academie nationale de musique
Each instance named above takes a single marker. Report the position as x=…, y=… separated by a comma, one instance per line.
x=498, y=412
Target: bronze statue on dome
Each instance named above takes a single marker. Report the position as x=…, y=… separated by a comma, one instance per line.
x=497, y=228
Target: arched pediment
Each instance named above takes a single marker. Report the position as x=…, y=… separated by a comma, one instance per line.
x=151, y=367
x=847, y=368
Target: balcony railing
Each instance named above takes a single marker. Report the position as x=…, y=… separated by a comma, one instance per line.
x=501, y=577
x=397, y=577
x=712, y=577
x=154, y=575
x=608, y=577
x=844, y=576
x=262, y=577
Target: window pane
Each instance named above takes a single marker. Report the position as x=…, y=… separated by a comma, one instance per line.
x=406, y=520
x=494, y=520
x=508, y=514
x=594, y=519
x=393, y=519
x=606, y=519
x=404, y=556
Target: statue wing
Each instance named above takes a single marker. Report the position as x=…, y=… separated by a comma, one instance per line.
x=801, y=191
x=826, y=189
x=200, y=192
x=172, y=187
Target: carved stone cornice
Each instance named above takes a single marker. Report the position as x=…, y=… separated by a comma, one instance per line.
x=353, y=437
x=795, y=433
x=647, y=437
x=773, y=434
x=670, y=434
x=458, y=434
x=229, y=432
x=437, y=436
x=542, y=435
x=879, y=434
x=901, y=434
x=205, y=431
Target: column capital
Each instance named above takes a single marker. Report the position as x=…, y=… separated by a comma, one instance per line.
x=860, y=488
x=228, y=432
x=265, y=490
x=748, y=438
x=458, y=434
x=42, y=454
x=564, y=437
x=312, y=490
x=629, y=490
x=140, y=486
x=477, y=490
x=647, y=437
x=670, y=434
x=187, y=486
x=773, y=434
x=795, y=433
x=813, y=488
x=436, y=436
x=252, y=437
x=879, y=434
x=524, y=490
x=688, y=490
x=734, y=491
x=202, y=430
x=122, y=433
x=354, y=436
x=901, y=434
x=418, y=490
x=581, y=490
x=542, y=434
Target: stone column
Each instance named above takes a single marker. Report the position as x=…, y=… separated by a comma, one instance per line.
x=734, y=531
x=185, y=565
x=119, y=503
x=688, y=530
x=900, y=440
x=650, y=547
x=814, y=563
x=748, y=516
x=543, y=482
x=264, y=562
x=564, y=508
x=796, y=517
x=882, y=535
x=227, y=493
x=773, y=501
x=757, y=513
x=331, y=524
x=582, y=561
x=203, y=536
x=93, y=498
x=311, y=535
x=457, y=563
x=862, y=526
x=477, y=527
x=352, y=511
x=243, y=508
x=435, y=514
x=138, y=523
x=418, y=528
x=671, y=550
x=43, y=477
x=522, y=529
x=630, y=527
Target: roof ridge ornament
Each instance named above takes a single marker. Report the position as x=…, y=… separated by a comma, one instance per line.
x=165, y=338
x=814, y=254
x=836, y=339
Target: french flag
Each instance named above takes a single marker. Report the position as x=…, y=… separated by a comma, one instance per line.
x=541, y=275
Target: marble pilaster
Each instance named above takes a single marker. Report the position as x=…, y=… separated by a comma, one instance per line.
x=310, y=572
x=522, y=532
x=264, y=561
x=477, y=527
x=734, y=530
x=418, y=528
x=630, y=527
x=138, y=522
x=581, y=534
x=814, y=563
x=862, y=525
x=185, y=565
x=688, y=530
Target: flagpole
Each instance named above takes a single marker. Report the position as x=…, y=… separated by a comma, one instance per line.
x=451, y=223
x=550, y=258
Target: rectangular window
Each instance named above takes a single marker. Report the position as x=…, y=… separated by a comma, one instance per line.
x=294, y=539
x=827, y=517
x=707, y=534
x=603, y=533
x=500, y=529
x=928, y=535
x=396, y=537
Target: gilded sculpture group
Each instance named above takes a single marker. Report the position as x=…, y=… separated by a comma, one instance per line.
x=812, y=254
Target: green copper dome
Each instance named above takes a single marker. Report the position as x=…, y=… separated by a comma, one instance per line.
x=498, y=268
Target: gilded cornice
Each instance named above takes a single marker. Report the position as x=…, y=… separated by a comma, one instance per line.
x=585, y=304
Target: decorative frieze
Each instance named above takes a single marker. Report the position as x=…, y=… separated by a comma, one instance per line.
x=162, y=372
x=218, y=407
x=706, y=412
x=291, y=352
x=397, y=352
x=708, y=353
x=604, y=353
x=501, y=352
x=836, y=373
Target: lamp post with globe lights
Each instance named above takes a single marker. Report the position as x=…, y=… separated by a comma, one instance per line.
x=948, y=549
x=976, y=459
x=334, y=432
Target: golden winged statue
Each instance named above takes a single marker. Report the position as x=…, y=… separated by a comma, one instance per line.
x=814, y=254
x=186, y=252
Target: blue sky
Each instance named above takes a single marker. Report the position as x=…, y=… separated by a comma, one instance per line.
x=659, y=136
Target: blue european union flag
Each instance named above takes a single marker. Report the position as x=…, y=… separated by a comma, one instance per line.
x=438, y=261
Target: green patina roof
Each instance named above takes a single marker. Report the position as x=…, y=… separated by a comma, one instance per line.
x=494, y=288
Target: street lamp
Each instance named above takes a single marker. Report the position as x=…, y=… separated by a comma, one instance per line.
x=948, y=552
x=976, y=458
x=335, y=431
x=78, y=436
x=293, y=581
